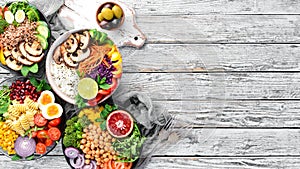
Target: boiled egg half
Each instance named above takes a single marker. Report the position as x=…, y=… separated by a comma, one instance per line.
x=52, y=111
x=46, y=98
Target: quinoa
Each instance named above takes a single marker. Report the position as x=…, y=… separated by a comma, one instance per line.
x=13, y=35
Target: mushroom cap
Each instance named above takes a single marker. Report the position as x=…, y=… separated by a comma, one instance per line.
x=27, y=55
x=84, y=40
x=71, y=44
x=68, y=61
x=34, y=49
x=13, y=64
x=57, y=56
x=17, y=55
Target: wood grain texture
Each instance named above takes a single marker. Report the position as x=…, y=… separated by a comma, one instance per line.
x=228, y=142
x=202, y=58
x=221, y=28
x=202, y=86
x=196, y=7
x=176, y=163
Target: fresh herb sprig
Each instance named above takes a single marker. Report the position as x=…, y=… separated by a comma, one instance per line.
x=40, y=85
x=102, y=83
x=4, y=101
x=104, y=114
x=129, y=148
x=80, y=101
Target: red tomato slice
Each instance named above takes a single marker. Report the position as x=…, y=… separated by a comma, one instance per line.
x=55, y=122
x=5, y=9
x=54, y=133
x=33, y=134
x=42, y=134
x=105, y=92
x=96, y=100
x=39, y=120
x=40, y=148
x=114, y=84
x=48, y=142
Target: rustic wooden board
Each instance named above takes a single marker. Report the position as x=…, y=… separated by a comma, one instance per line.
x=221, y=28
x=176, y=163
x=196, y=7
x=203, y=57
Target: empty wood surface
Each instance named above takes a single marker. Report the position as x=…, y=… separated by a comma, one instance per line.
x=227, y=69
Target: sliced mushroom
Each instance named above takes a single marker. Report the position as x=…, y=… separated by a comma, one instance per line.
x=68, y=61
x=17, y=55
x=34, y=49
x=80, y=55
x=77, y=36
x=27, y=55
x=57, y=57
x=84, y=40
x=13, y=64
x=7, y=51
x=71, y=44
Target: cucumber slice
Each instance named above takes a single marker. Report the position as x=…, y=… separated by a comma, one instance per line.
x=43, y=41
x=93, y=33
x=103, y=37
x=44, y=31
x=109, y=42
x=42, y=23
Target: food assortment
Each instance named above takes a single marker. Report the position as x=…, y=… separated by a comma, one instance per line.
x=24, y=37
x=110, y=15
x=29, y=118
x=85, y=67
x=102, y=137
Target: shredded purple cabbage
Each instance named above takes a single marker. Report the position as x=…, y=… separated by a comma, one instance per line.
x=103, y=71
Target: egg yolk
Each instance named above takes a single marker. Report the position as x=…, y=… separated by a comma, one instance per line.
x=46, y=99
x=52, y=110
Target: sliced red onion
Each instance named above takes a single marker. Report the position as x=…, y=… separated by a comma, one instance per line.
x=88, y=166
x=79, y=161
x=71, y=152
x=94, y=164
x=24, y=146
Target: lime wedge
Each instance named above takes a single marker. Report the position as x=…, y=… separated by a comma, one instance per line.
x=87, y=88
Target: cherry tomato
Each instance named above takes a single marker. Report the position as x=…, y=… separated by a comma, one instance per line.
x=40, y=148
x=48, y=142
x=105, y=92
x=96, y=100
x=33, y=134
x=42, y=134
x=54, y=122
x=1, y=12
x=5, y=9
x=39, y=120
x=54, y=133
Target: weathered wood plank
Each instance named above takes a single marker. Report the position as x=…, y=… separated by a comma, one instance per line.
x=225, y=163
x=196, y=7
x=236, y=114
x=229, y=142
x=201, y=57
x=202, y=86
x=221, y=28
x=176, y=163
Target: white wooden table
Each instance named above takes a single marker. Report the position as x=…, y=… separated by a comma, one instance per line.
x=227, y=65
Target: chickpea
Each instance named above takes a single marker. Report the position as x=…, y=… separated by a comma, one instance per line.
x=95, y=128
x=90, y=152
x=101, y=146
x=92, y=146
x=87, y=161
x=87, y=156
x=81, y=147
x=85, y=130
x=106, y=140
x=113, y=139
x=106, y=160
x=83, y=135
x=101, y=151
x=104, y=155
x=114, y=157
x=88, y=144
x=86, y=150
x=110, y=157
x=106, y=148
x=99, y=130
x=104, y=134
x=83, y=141
x=91, y=126
x=93, y=152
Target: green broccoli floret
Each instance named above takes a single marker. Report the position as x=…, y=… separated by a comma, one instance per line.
x=70, y=129
x=71, y=140
x=84, y=121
